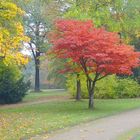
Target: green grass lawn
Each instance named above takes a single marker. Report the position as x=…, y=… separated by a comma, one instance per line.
x=131, y=135
x=31, y=96
x=26, y=121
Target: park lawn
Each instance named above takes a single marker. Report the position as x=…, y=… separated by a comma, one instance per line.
x=131, y=135
x=26, y=121
x=32, y=96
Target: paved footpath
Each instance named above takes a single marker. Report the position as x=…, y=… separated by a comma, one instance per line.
x=103, y=129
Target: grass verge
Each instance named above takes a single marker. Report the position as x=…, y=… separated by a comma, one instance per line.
x=131, y=135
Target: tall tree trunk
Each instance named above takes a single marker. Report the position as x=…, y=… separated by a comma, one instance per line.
x=78, y=92
x=37, y=72
x=91, y=88
x=91, y=101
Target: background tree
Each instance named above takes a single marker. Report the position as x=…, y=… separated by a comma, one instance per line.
x=36, y=27
x=38, y=20
x=11, y=34
x=72, y=69
x=94, y=50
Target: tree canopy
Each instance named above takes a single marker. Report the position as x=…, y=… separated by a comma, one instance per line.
x=121, y=16
x=12, y=33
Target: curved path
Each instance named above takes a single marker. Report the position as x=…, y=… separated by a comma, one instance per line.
x=103, y=129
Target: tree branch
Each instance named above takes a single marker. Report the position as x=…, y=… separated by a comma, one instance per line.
x=83, y=63
x=30, y=44
x=31, y=28
x=102, y=77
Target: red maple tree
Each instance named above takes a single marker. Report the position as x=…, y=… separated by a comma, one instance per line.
x=96, y=52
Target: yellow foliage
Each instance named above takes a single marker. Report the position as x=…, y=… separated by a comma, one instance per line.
x=138, y=34
x=11, y=34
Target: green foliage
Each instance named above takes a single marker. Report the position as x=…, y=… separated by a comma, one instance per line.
x=12, y=85
x=71, y=85
x=106, y=88
x=118, y=16
x=127, y=88
x=110, y=87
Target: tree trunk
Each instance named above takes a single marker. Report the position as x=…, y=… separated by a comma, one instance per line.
x=91, y=87
x=91, y=101
x=37, y=72
x=78, y=92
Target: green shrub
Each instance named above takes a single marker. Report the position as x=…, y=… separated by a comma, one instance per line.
x=12, y=85
x=106, y=88
x=128, y=88
x=110, y=87
x=71, y=85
